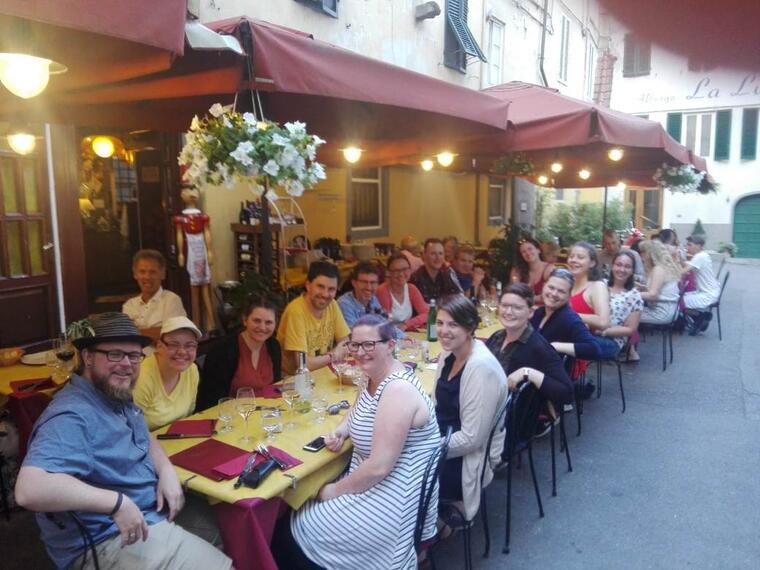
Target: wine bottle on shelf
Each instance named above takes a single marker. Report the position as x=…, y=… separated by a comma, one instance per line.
x=432, y=333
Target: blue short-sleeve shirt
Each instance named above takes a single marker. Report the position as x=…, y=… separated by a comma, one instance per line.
x=104, y=443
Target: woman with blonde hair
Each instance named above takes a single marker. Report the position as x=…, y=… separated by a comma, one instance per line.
x=661, y=290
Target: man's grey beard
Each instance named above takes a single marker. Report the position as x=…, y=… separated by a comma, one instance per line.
x=112, y=392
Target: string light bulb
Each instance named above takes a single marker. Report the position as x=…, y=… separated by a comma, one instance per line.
x=584, y=174
x=445, y=158
x=556, y=167
x=615, y=154
x=543, y=179
x=620, y=186
x=352, y=154
x=427, y=165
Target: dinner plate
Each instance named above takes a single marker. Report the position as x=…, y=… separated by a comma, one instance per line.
x=36, y=359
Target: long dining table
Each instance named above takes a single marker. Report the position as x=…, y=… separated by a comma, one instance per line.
x=246, y=516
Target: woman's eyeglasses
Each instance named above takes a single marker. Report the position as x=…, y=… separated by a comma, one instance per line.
x=367, y=345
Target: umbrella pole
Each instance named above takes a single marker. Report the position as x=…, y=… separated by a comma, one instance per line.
x=604, y=211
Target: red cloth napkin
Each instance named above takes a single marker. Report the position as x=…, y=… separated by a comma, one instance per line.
x=233, y=467
x=202, y=458
x=203, y=428
x=44, y=384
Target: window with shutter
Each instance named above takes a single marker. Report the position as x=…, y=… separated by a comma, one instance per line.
x=674, y=124
x=497, y=201
x=637, y=56
x=368, y=203
x=329, y=7
x=749, y=134
x=458, y=41
x=722, y=134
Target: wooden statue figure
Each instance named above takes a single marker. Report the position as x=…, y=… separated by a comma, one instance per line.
x=195, y=253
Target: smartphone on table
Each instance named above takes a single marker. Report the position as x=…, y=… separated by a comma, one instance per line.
x=315, y=444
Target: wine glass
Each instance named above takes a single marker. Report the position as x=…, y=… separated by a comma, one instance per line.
x=360, y=379
x=51, y=361
x=245, y=404
x=225, y=410
x=291, y=396
x=319, y=405
x=271, y=421
x=64, y=352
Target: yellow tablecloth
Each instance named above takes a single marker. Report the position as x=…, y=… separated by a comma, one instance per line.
x=317, y=469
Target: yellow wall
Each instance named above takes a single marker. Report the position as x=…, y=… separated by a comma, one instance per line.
x=425, y=204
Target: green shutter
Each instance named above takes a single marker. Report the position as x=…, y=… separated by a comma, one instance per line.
x=722, y=134
x=749, y=134
x=674, y=123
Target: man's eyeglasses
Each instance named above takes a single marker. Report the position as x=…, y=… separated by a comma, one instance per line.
x=118, y=355
x=175, y=346
x=367, y=345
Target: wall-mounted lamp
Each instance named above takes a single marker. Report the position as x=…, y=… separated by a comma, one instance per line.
x=352, y=154
x=26, y=75
x=22, y=142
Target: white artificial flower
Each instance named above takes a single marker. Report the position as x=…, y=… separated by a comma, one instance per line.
x=296, y=128
x=195, y=123
x=294, y=188
x=288, y=155
x=241, y=153
x=317, y=141
x=318, y=171
x=271, y=195
x=216, y=110
x=280, y=140
x=311, y=151
x=226, y=122
x=250, y=119
x=271, y=168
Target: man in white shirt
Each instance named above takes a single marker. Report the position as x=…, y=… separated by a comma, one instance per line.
x=708, y=288
x=154, y=304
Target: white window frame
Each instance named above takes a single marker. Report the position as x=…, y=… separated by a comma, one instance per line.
x=500, y=185
x=699, y=120
x=357, y=231
x=591, y=50
x=496, y=29
x=564, y=47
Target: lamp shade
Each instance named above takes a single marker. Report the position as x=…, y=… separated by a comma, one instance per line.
x=26, y=75
x=352, y=154
x=22, y=143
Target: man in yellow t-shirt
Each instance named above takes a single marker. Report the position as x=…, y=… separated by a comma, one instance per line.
x=313, y=323
x=168, y=381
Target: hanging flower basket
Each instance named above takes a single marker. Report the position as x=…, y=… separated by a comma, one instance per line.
x=516, y=163
x=684, y=179
x=228, y=147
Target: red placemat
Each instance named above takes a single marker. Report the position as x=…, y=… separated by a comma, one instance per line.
x=35, y=384
x=201, y=428
x=202, y=458
x=233, y=467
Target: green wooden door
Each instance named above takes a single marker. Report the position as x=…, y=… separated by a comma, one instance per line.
x=747, y=226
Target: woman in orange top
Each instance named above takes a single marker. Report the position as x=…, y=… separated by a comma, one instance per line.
x=252, y=358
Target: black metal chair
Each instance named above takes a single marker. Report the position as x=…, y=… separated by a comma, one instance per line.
x=720, y=267
x=616, y=362
x=716, y=304
x=666, y=329
x=522, y=417
x=562, y=447
x=429, y=486
x=457, y=518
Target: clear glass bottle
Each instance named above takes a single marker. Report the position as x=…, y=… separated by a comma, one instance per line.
x=304, y=385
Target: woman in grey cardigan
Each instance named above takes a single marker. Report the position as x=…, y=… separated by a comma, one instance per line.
x=471, y=389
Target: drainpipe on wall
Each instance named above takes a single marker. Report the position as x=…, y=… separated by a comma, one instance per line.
x=541, y=55
x=54, y=228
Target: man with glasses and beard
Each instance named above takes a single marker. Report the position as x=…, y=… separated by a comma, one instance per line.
x=104, y=489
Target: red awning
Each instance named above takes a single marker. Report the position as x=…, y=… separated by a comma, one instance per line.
x=547, y=125
x=156, y=23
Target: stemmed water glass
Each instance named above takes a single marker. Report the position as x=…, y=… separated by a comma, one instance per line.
x=271, y=421
x=245, y=404
x=225, y=410
x=291, y=396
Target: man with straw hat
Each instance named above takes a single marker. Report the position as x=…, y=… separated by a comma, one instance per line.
x=104, y=489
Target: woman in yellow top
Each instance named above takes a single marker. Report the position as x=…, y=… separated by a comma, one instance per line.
x=168, y=381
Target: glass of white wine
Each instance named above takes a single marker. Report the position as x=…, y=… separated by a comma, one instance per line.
x=291, y=396
x=245, y=404
x=319, y=405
